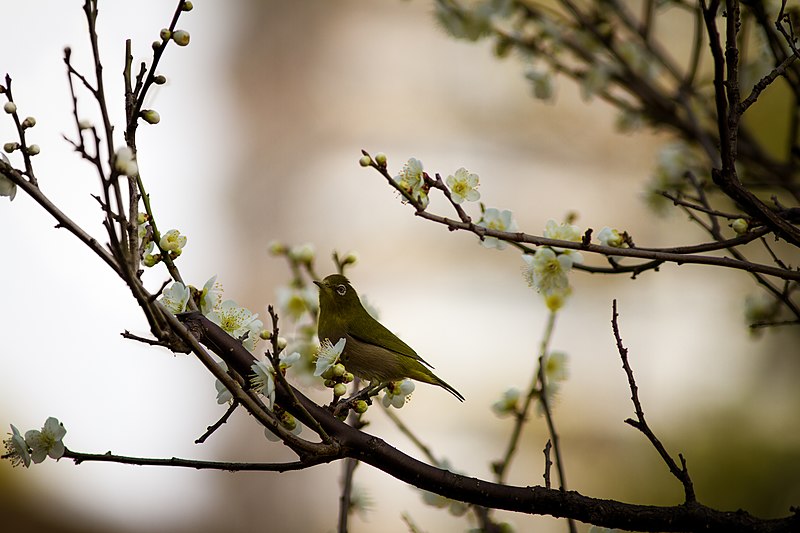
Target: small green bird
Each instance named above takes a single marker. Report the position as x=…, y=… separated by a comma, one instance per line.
x=371, y=351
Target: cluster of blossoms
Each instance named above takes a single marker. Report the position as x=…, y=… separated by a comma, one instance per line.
x=462, y=184
x=170, y=244
x=37, y=445
x=237, y=321
x=412, y=181
x=328, y=367
x=547, y=268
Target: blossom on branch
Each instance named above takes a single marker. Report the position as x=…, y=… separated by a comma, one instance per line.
x=7, y=187
x=463, y=185
x=496, y=220
x=17, y=449
x=397, y=393
x=46, y=442
x=411, y=179
x=175, y=298
x=239, y=322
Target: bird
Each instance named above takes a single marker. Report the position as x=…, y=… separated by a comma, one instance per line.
x=371, y=351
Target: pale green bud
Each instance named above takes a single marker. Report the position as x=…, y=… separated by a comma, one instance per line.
x=276, y=248
x=165, y=34
x=265, y=334
x=350, y=258
x=340, y=389
x=10, y=107
x=360, y=407
x=338, y=370
x=10, y=147
x=330, y=383
x=34, y=149
x=29, y=122
x=740, y=226
x=365, y=161
x=282, y=343
x=151, y=260
x=288, y=421
x=181, y=37
x=348, y=377
x=380, y=159
x=150, y=116
x=187, y=6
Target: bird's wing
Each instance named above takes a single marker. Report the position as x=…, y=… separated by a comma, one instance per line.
x=367, y=329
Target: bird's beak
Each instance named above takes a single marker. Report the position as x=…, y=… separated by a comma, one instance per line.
x=318, y=283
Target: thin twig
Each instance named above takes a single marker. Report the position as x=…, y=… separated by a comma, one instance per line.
x=681, y=473
x=216, y=425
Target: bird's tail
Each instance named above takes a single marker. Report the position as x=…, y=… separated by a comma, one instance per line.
x=426, y=376
x=449, y=389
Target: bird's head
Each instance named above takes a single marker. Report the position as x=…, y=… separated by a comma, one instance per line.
x=336, y=293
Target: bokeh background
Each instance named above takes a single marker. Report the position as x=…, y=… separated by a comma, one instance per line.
x=263, y=120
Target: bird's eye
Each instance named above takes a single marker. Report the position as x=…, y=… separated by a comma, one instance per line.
x=341, y=290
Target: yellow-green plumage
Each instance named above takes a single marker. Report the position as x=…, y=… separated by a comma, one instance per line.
x=371, y=351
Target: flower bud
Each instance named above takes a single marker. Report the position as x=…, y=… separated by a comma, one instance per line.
x=350, y=258
x=288, y=421
x=187, y=6
x=340, y=389
x=740, y=226
x=365, y=161
x=156, y=45
x=150, y=116
x=348, y=377
x=29, y=122
x=338, y=370
x=276, y=248
x=165, y=34
x=10, y=147
x=360, y=407
x=85, y=124
x=265, y=334
x=380, y=158
x=34, y=149
x=151, y=260
x=303, y=253
x=181, y=37
x=10, y=107
x=330, y=383
x=160, y=80
x=282, y=343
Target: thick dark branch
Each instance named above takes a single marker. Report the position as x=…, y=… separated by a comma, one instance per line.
x=354, y=443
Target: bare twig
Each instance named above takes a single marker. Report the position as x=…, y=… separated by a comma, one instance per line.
x=216, y=425
x=681, y=473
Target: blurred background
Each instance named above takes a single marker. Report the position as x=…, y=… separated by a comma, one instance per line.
x=263, y=119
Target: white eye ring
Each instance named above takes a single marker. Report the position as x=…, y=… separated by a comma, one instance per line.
x=341, y=290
